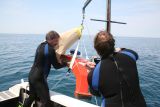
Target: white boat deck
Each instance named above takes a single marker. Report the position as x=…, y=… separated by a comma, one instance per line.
x=5, y=95
x=61, y=99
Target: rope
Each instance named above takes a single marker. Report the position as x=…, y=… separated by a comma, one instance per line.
x=85, y=50
x=96, y=100
x=83, y=18
x=86, y=53
x=81, y=49
x=74, y=56
x=75, y=53
x=88, y=31
x=55, y=86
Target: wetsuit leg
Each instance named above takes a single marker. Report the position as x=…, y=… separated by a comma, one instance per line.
x=42, y=92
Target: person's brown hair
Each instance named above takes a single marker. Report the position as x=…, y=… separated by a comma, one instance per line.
x=104, y=43
x=52, y=35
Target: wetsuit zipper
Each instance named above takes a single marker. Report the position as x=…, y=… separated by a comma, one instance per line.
x=121, y=95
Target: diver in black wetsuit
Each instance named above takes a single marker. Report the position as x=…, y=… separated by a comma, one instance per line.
x=44, y=58
x=115, y=77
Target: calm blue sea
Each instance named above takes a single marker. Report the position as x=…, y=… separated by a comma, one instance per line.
x=17, y=55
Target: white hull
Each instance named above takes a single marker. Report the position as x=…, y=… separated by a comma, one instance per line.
x=61, y=99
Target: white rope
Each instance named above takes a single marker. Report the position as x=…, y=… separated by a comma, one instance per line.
x=85, y=50
x=55, y=86
x=81, y=49
x=96, y=100
x=74, y=56
x=91, y=37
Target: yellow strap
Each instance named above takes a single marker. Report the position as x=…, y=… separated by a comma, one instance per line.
x=79, y=30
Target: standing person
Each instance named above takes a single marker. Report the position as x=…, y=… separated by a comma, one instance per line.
x=115, y=77
x=45, y=57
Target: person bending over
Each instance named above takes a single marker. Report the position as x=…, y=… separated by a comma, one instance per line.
x=45, y=57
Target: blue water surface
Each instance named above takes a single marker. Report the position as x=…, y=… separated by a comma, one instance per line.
x=17, y=53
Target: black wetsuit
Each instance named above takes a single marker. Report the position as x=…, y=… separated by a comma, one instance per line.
x=39, y=91
x=115, y=78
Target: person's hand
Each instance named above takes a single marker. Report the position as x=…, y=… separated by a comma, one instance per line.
x=117, y=49
x=68, y=64
x=64, y=58
x=90, y=65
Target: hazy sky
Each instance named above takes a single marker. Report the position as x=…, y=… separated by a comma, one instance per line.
x=40, y=16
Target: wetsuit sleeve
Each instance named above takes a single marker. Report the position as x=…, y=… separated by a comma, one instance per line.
x=54, y=60
x=92, y=91
x=130, y=53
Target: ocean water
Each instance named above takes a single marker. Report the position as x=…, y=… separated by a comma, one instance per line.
x=17, y=54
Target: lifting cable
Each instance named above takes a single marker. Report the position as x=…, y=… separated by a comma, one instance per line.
x=75, y=53
x=83, y=18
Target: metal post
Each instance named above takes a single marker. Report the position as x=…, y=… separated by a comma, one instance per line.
x=108, y=29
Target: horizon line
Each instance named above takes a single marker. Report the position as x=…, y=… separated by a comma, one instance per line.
x=131, y=36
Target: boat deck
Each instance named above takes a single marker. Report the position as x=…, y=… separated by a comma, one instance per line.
x=6, y=95
x=10, y=98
